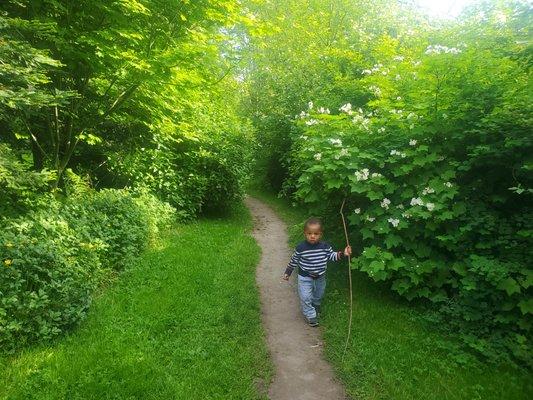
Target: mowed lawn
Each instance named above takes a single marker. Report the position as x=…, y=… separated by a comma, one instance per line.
x=182, y=323
x=393, y=354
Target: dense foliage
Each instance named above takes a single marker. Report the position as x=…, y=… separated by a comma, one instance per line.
x=54, y=252
x=116, y=118
x=426, y=131
x=125, y=92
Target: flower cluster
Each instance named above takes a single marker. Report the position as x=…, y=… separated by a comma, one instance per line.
x=394, y=222
x=335, y=142
x=343, y=152
x=347, y=108
x=312, y=121
x=323, y=110
x=412, y=142
x=318, y=156
x=385, y=203
x=375, y=90
x=428, y=190
x=397, y=153
x=416, y=201
x=439, y=49
x=362, y=175
x=375, y=68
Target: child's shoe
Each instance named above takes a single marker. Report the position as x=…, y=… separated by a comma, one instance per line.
x=312, y=322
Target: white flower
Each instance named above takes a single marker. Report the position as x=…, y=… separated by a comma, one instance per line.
x=344, y=152
x=304, y=114
x=357, y=211
x=406, y=215
x=336, y=142
x=397, y=153
x=448, y=184
x=376, y=90
x=439, y=49
x=376, y=175
x=400, y=206
x=398, y=58
x=385, y=203
x=318, y=156
x=323, y=110
x=347, y=108
x=381, y=130
x=412, y=142
x=411, y=115
x=362, y=175
x=370, y=219
x=398, y=98
x=430, y=206
x=311, y=122
x=303, y=137
x=417, y=201
x=366, y=72
x=428, y=190
x=394, y=222
x=310, y=105
x=398, y=77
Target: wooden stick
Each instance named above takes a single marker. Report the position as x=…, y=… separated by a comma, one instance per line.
x=350, y=278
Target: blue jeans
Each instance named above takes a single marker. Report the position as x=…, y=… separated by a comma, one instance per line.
x=310, y=291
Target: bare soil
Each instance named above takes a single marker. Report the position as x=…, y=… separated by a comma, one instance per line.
x=301, y=373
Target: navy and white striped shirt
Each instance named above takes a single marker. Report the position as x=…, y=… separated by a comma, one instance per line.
x=312, y=259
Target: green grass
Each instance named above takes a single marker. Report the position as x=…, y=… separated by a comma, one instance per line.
x=182, y=323
x=393, y=354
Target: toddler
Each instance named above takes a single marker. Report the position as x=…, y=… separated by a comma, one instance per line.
x=311, y=257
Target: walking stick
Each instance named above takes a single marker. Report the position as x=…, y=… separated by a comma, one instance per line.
x=350, y=278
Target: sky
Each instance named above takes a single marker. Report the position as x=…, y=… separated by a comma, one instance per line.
x=443, y=8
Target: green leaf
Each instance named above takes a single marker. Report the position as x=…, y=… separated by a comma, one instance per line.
x=376, y=266
x=526, y=306
x=510, y=286
x=392, y=240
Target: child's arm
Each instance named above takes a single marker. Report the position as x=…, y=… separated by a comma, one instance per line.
x=293, y=263
x=337, y=255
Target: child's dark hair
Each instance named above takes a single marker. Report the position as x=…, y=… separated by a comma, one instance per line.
x=313, y=221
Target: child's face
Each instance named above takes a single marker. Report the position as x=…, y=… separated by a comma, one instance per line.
x=313, y=233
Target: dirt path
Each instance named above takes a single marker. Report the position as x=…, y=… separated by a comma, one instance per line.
x=300, y=370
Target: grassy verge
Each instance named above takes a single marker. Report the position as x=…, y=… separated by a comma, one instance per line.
x=182, y=323
x=392, y=353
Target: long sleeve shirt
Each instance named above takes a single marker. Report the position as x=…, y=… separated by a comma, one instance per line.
x=312, y=259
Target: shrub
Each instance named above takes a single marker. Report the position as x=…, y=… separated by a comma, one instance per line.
x=113, y=217
x=157, y=214
x=46, y=278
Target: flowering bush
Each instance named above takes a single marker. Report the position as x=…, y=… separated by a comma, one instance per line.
x=436, y=205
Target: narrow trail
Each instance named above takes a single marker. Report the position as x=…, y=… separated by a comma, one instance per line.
x=301, y=373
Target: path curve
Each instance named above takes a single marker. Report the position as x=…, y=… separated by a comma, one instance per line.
x=301, y=373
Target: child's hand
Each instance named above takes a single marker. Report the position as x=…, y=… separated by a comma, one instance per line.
x=348, y=251
x=285, y=277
